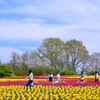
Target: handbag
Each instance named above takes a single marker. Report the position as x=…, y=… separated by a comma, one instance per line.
x=31, y=81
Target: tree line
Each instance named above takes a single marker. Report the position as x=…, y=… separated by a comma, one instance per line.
x=57, y=56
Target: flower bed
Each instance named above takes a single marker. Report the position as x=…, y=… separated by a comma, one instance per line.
x=69, y=88
x=40, y=77
x=40, y=92
x=46, y=83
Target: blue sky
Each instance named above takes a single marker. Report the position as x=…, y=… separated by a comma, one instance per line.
x=25, y=23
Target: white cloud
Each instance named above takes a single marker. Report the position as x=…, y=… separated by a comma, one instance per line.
x=62, y=10
x=17, y=30
x=79, y=19
x=5, y=53
x=29, y=48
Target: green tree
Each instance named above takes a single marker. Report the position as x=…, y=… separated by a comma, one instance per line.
x=5, y=70
x=95, y=61
x=24, y=58
x=39, y=71
x=49, y=69
x=90, y=72
x=19, y=63
x=0, y=62
x=14, y=61
x=76, y=54
x=23, y=70
x=86, y=64
x=50, y=49
x=67, y=72
x=35, y=59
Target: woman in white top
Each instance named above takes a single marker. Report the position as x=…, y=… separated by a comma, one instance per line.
x=50, y=76
x=30, y=82
x=96, y=76
x=58, y=77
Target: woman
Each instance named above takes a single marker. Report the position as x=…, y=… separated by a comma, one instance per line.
x=82, y=77
x=96, y=76
x=30, y=82
x=58, y=77
x=50, y=76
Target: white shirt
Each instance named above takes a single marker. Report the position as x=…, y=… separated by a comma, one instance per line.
x=31, y=78
x=51, y=75
x=97, y=76
x=58, y=77
x=82, y=76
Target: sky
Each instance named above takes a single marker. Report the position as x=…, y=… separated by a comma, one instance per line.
x=25, y=23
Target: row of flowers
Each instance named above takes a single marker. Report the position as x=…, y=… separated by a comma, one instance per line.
x=45, y=80
x=66, y=89
x=38, y=77
x=44, y=83
x=5, y=80
x=46, y=77
x=40, y=92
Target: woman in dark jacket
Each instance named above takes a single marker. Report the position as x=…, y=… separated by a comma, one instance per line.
x=50, y=76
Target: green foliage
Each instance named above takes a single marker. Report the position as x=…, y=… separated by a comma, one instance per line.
x=76, y=53
x=39, y=71
x=67, y=72
x=53, y=52
x=5, y=70
x=49, y=69
x=95, y=61
x=22, y=71
x=25, y=70
x=50, y=49
x=90, y=72
x=44, y=70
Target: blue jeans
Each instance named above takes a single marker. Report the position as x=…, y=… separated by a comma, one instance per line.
x=28, y=84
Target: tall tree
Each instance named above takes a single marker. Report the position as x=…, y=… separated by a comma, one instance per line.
x=50, y=49
x=86, y=64
x=25, y=58
x=76, y=53
x=14, y=60
x=95, y=61
x=35, y=59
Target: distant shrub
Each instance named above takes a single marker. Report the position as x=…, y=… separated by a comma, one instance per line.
x=5, y=70
x=67, y=72
x=90, y=72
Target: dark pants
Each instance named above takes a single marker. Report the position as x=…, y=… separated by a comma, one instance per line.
x=82, y=80
x=28, y=84
x=96, y=80
x=50, y=79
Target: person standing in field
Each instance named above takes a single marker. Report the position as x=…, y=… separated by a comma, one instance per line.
x=58, y=77
x=30, y=82
x=50, y=76
x=96, y=76
x=82, y=76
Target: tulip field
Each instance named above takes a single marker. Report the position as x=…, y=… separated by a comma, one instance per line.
x=69, y=88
